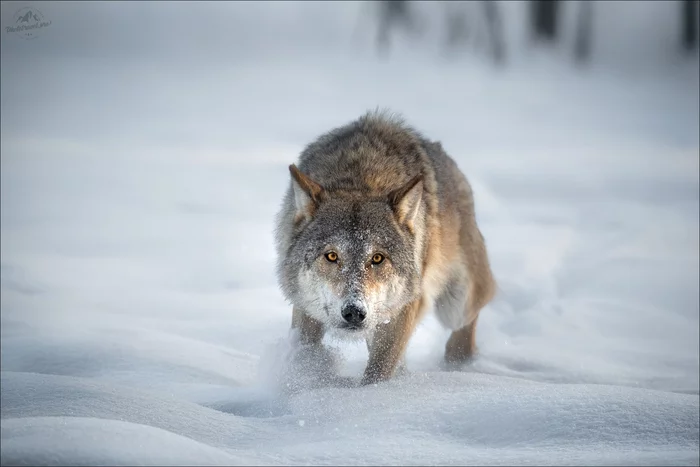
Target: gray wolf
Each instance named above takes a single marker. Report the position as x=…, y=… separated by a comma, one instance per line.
x=376, y=227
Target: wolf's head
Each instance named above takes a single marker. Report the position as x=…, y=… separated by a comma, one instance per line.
x=354, y=262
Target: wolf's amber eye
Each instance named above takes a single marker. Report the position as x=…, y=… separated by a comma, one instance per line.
x=332, y=256
x=377, y=258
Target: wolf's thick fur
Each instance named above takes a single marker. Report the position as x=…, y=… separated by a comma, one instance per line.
x=378, y=225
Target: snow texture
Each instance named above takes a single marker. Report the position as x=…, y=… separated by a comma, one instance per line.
x=141, y=319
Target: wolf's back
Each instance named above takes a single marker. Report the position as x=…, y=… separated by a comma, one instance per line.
x=375, y=154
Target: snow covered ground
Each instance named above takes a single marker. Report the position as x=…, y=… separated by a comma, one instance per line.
x=141, y=320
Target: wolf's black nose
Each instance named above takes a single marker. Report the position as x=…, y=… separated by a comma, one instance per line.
x=353, y=314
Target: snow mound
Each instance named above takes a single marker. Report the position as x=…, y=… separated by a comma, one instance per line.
x=422, y=418
x=94, y=441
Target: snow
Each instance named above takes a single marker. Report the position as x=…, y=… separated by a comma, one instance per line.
x=141, y=319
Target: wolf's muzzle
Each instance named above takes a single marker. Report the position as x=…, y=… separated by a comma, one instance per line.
x=353, y=314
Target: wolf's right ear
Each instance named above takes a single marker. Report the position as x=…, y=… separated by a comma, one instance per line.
x=405, y=201
x=307, y=193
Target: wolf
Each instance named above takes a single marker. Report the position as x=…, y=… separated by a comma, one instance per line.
x=377, y=226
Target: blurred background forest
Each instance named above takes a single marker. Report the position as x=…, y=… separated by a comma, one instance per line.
x=479, y=24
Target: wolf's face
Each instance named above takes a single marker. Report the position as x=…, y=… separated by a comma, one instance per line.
x=353, y=263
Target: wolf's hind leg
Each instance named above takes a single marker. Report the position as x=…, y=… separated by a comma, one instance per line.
x=461, y=346
x=477, y=287
x=310, y=331
x=452, y=310
x=450, y=306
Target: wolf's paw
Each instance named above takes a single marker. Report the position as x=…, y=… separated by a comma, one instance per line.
x=369, y=380
x=401, y=371
x=458, y=361
x=313, y=366
x=375, y=377
x=458, y=350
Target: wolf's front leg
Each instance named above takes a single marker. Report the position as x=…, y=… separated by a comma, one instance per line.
x=389, y=343
x=310, y=331
x=400, y=367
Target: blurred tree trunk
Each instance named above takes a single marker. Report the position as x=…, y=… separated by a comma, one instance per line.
x=495, y=27
x=458, y=17
x=543, y=18
x=584, y=31
x=689, y=10
x=457, y=29
x=393, y=13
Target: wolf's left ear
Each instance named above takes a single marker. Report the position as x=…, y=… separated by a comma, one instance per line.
x=405, y=201
x=307, y=193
